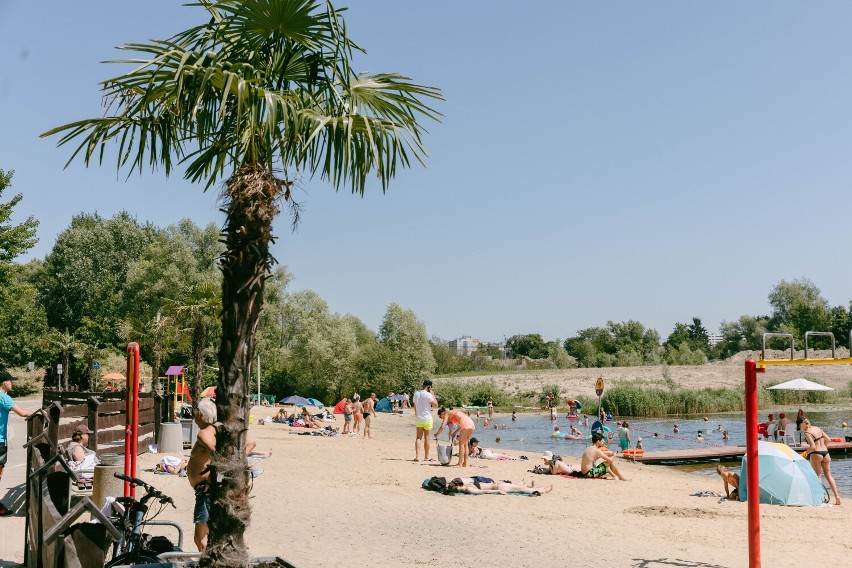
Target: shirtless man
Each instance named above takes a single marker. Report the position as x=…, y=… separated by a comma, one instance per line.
x=606, y=468
x=199, y=459
x=369, y=409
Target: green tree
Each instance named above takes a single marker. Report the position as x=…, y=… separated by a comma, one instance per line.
x=744, y=334
x=557, y=354
x=86, y=270
x=262, y=87
x=694, y=335
x=158, y=336
x=530, y=345
x=405, y=337
x=197, y=314
x=64, y=344
x=841, y=323
x=797, y=307
x=14, y=239
x=23, y=322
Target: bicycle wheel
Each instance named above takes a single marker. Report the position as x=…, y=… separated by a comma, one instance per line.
x=133, y=557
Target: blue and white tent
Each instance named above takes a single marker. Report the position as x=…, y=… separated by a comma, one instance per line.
x=786, y=478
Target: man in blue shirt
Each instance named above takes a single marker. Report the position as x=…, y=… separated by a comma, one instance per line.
x=6, y=405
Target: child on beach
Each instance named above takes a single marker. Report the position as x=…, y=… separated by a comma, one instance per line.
x=729, y=478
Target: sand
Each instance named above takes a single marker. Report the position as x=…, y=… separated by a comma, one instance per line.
x=347, y=500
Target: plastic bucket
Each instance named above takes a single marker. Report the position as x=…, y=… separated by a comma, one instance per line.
x=445, y=454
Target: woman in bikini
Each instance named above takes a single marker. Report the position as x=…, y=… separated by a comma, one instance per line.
x=458, y=423
x=818, y=454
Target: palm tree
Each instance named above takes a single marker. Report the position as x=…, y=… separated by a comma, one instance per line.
x=159, y=334
x=199, y=310
x=260, y=94
x=66, y=344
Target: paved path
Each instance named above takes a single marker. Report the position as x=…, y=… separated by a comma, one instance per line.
x=12, y=487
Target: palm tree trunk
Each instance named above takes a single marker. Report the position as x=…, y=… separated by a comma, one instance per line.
x=90, y=371
x=66, y=361
x=251, y=205
x=156, y=357
x=199, y=340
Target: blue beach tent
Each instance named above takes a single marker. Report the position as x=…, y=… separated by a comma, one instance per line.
x=384, y=405
x=786, y=478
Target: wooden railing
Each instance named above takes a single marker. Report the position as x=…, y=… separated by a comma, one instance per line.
x=105, y=415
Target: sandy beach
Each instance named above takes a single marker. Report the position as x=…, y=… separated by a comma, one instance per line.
x=339, y=500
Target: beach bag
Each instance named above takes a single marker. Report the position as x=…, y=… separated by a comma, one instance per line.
x=445, y=454
x=438, y=484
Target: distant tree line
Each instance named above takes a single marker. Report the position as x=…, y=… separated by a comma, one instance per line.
x=109, y=281
x=797, y=306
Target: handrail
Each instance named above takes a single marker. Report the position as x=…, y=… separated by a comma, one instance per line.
x=84, y=505
x=170, y=524
x=823, y=333
x=763, y=344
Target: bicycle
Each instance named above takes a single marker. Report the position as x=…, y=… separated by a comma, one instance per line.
x=135, y=546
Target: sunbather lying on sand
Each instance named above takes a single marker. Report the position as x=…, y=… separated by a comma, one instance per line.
x=485, y=453
x=478, y=485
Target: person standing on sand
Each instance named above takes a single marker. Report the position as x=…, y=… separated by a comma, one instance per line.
x=369, y=408
x=457, y=421
x=347, y=416
x=424, y=402
x=818, y=454
x=199, y=459
x=357, y=412
x=490, y=405
x=7, y=405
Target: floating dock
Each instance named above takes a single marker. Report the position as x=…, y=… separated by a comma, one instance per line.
x=714, y=453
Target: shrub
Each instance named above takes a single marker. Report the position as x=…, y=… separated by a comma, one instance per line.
x=27, y=382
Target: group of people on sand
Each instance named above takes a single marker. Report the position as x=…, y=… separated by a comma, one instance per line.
x=816, y=452
x=356, y=412
x=594, y=463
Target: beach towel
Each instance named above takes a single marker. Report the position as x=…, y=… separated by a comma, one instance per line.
x=569, y=476
x=439, y=485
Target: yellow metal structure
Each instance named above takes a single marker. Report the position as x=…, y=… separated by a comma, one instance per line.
x=762, y=363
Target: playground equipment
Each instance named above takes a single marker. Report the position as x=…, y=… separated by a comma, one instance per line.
x=751, y=370
x=177, y=385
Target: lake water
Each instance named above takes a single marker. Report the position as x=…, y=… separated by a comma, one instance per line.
x=530, y=434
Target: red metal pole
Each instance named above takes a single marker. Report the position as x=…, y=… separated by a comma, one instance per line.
x=753, y=482
x=131, y=429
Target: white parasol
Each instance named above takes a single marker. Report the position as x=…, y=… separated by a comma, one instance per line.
x=802, y=385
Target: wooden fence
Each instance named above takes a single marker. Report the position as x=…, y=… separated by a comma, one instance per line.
x=51, y=537
x=105, y=415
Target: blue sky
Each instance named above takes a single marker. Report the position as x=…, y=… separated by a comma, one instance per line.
x=597, y=160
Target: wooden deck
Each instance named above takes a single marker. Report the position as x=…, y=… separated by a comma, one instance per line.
x=712, y=453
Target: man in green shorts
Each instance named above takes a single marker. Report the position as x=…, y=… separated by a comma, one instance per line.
x=424, y=402
x=606, y=468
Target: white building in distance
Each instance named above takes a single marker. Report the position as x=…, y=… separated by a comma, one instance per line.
x=464, y=345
